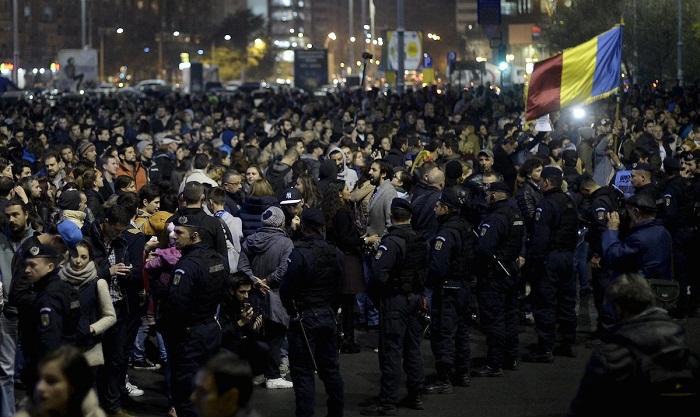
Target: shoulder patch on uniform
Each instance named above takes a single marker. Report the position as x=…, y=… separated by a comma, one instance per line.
x=216, y=268
x=45, y=310
x=538, y=214
x=441, y=238
x=484, y=228
x=667, y=198
x=176, y=278
x=45, y=321
x=438, y=243
x=378, y=254
x=600, y=213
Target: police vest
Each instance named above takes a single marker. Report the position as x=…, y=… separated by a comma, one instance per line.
x=565, y=233
x=323, y=276
x=510, y=249
x=212, y=285
x=408, y=275
x=461, y=265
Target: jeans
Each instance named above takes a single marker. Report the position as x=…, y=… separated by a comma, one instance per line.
x=140, y=345
x=8, y=346
x=368, y=312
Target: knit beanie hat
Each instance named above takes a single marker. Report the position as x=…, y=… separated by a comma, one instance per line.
x=273, y=217
x=453, y=170
x=84, y=146
x=69, y=200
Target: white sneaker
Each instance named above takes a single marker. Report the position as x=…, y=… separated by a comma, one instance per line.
x=133, y=390
x=278, y=383
x=259, y=380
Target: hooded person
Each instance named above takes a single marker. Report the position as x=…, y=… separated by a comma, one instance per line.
x=327, y=173
x=345, y=173
x=263, y=259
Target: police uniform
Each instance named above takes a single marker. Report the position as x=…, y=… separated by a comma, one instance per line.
x=187, y=315
x=449, y=272
x=554, y=283
x=603, y=201
x=400, y=330
x=678, y=200
x=309, y=290
x=52, y=320
x=497, y=248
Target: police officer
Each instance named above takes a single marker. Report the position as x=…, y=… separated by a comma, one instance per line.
x=602, y=201
x=643, y=182
x=678, y=199
x=498, y=247
x=310, y=292
x=55, y=312
x=398, y=273
x=187, y=316
x=554, y=283
x=449, y=271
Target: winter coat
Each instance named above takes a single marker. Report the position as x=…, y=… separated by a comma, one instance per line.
x=264, y=255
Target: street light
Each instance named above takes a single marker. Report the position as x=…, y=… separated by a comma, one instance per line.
x=102, y=32
x=331, y=37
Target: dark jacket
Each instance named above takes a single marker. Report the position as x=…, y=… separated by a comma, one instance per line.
x=647, y=250
x=610, y=369
x=395, y=157
x=213, y=233
x=424, y=219
x=529, y=195
x=251, y=211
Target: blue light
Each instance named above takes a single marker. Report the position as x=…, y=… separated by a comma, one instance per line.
x=146, y=49
x=200, y=52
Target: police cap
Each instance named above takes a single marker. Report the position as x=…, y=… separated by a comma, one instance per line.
x=401, y=204
x=41, y=251
x=643, y=202
x=692, y=156
x=500, y=186
x=188, y=221
x=550, y=171
x=450, y=198
x=312, y=217
x=641, y=166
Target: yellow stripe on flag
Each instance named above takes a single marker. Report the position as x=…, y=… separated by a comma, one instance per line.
x=578, y=66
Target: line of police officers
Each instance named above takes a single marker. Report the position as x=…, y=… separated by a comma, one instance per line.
x=187, y=317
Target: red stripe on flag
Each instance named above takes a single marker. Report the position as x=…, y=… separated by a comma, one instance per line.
x=543, y=94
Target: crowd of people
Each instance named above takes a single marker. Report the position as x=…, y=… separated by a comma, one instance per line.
x=274, y=232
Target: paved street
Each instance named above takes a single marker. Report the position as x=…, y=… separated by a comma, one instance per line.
x=533, y=390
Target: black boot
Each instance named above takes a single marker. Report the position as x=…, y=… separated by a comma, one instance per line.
x=412, y=401
x=439, y=387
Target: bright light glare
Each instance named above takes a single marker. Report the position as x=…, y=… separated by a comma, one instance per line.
x=578, y=112
x=503, y=66
x=120, y=30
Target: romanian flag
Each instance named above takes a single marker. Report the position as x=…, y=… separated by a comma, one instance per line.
x=580, y=75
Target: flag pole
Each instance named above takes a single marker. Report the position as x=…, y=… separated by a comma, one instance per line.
x=620, y=90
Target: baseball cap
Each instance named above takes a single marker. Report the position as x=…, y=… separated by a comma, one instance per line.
x=291, y=196
x=487, y=152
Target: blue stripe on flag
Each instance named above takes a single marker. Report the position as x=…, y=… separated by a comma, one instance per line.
x=608, y=61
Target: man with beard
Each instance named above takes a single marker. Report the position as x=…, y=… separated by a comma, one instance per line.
x=54, y=172
x=345, y=173
x=129, y=166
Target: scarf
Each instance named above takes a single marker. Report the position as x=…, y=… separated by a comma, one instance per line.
x=78, y=278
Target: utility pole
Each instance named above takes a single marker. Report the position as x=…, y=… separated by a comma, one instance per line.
x=400, y=83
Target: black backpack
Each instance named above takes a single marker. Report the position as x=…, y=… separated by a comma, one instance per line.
x=667, y=380
x=276, y=178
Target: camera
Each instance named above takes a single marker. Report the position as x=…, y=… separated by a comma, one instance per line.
x=367, y=55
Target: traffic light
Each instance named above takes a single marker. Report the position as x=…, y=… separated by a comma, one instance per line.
x=501, y=59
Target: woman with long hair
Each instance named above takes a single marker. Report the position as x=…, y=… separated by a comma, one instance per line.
x=90, y=183
x=309, y=189
x=342, y=232
x=64, y=388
